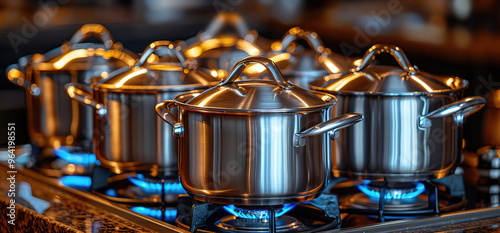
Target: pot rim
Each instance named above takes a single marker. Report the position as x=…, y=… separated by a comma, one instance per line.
x=327, y=105
x=152, y=89
x=395, y=94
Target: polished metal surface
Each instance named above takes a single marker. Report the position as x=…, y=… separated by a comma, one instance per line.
x=364, y=79
x=407, y=134
x=258, y=95
x=219, y=52
x=303, y=65
x=253, y=157
x=490, y=135
x=53, y=118
x=128, y=134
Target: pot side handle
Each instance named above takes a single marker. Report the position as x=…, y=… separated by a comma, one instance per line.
x=18, y=78
x=333, y=126
x=163, y=110
x=460, y=109
x=80, y=93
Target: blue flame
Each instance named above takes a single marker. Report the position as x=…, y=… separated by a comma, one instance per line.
x=419, y=188
x=75, y=158
x=257, y=214
x=168, y=214
x=77, y=182
x=111, y=193
x=155, y=188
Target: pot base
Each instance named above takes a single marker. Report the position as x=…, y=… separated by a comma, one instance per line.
x=264, y=201
x=395, y=177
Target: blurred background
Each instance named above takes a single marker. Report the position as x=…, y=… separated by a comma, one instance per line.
x=453, y=37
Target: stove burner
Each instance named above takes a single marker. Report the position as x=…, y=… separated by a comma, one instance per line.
x=155, y=186
x=76, y=182
x=75, y=157
x=237, y=224
x=168, y=215
x=135, y=188
x=405, y=191
x=257, y=213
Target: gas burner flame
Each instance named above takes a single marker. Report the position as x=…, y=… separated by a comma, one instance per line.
x=156, y=188
x=257, y=213
x=165, y=215
x=392, y=194
x=75, y=158
x=76, y=182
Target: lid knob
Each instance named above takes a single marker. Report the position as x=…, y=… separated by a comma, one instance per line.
x=270, y=66
x=395, y=51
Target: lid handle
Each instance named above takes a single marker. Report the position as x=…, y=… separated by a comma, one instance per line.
x=96, y=30
x=395, y=51
x=228, y=19
x=297, y=33
x=153, y=47
x=271, y=67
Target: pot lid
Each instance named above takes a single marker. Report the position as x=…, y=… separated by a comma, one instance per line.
x=225, y=49
x=364, y=78
x=300, y=60
x=151, y=72
x=75, y=55
x=253, y=95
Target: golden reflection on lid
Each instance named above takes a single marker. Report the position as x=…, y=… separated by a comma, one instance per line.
x=129, y=76
x=70, y=56
x=422, y=83
x=340, y=84
x=257, y=68
x=331, y=66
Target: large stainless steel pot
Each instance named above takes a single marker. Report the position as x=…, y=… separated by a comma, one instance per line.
x=254, y=142
x=128, y=134
x=491, y=121
x=302, y=65
x=218, y=51
x=413, y=120
x=53, y=119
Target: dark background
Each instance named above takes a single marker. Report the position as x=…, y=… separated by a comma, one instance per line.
x=453, y=37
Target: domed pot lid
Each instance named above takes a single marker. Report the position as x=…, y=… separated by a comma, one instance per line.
x=364, y=78
x=276, y=95
x=150, y=73
x=75, y=55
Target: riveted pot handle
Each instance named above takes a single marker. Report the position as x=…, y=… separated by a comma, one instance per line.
x=81, y=94
x=332, y=126
x=270, y=66
x=395, y=51
x=225, y=19
x=163, y=110
x=153, y=47
x=96, y=30
x=297, y=33
x=460, y=109
x=18, y=77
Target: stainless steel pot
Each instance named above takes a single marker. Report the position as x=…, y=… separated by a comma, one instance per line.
x=413, y=120
x=302, y=65
x=53, y=119
x=128, y=134
x=219, y=52
x=254, y=142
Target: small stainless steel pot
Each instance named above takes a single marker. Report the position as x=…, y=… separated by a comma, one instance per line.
x=219, y=52
x=254, y=142
x=53, y=119
x=413, y=120
x=128, y=134
x=302, y=65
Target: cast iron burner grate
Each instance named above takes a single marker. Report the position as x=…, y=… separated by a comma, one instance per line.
x=136, y=188
x=319, y=214
x=401, y=200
